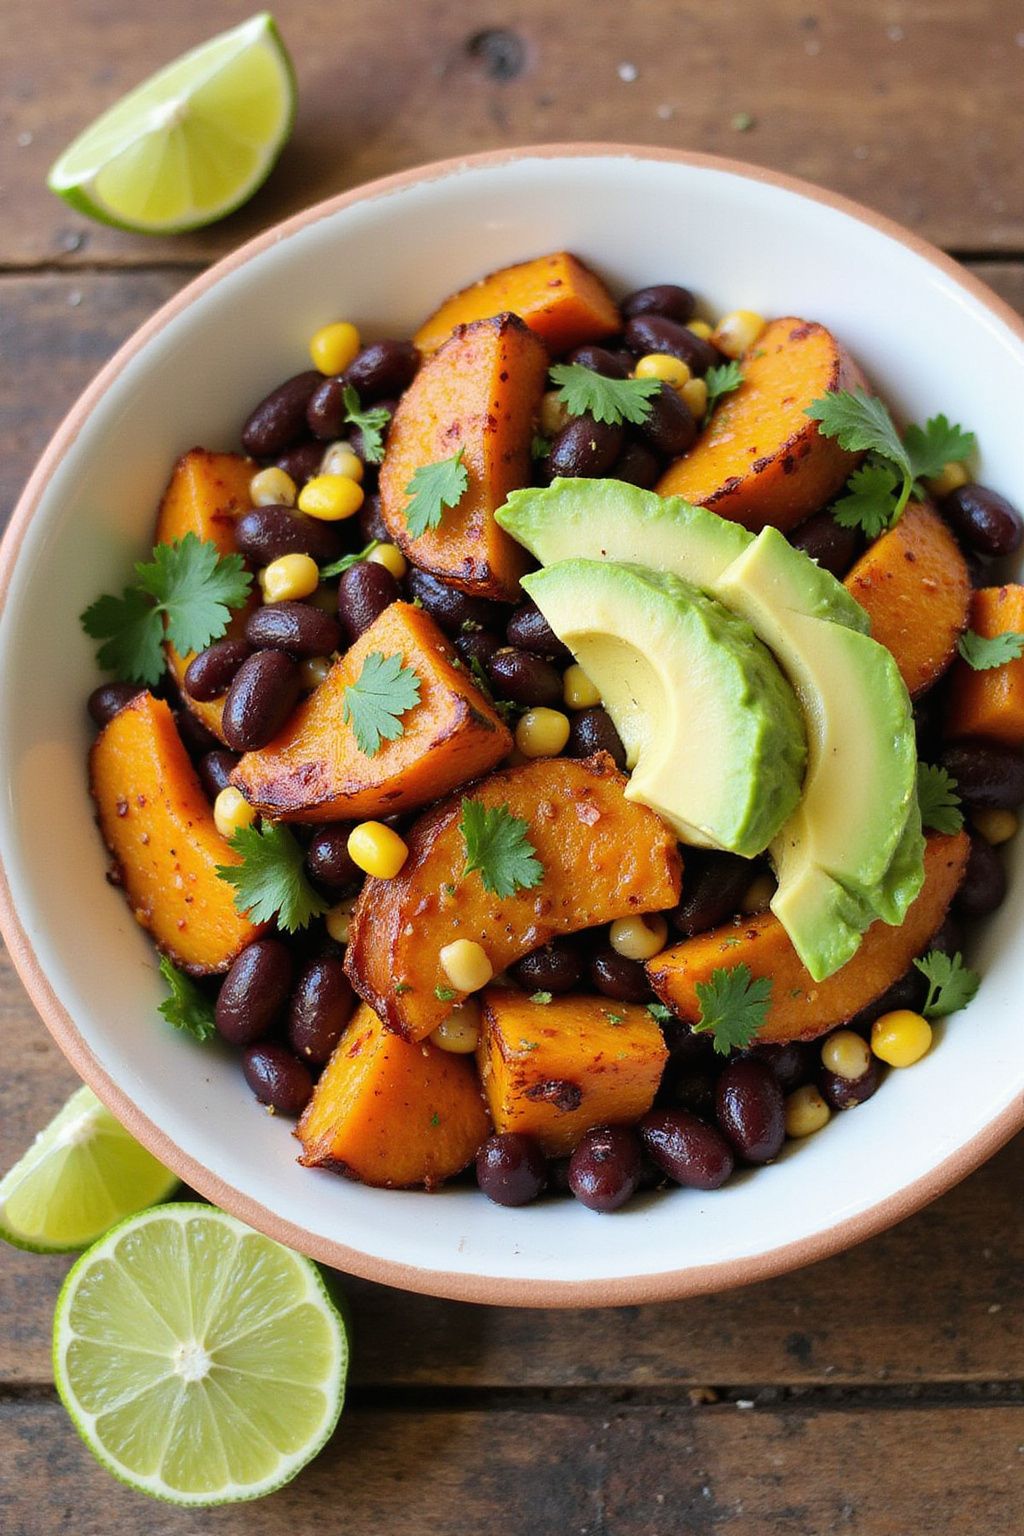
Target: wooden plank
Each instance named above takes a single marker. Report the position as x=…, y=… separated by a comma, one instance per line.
x=916, y=109
x=616, y=1471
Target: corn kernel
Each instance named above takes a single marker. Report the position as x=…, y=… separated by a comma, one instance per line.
x=391, y=558
x=758, y=895
x=553, y=414
x=695, y=395
x=995, y=826
x=377, y=850
x=289, y=579
x=806, y=1112
x=272, y=487
x=333, y=347
x=466, y=965
x=659, y=365
x=313, y=671
x=901, y=1038
x=737, y=331
x=700, y=328
x=542, y=732
x=232, y=812
x=330, y=497
x=577, y=689
x=342, y=459
x=639, y=938
x=950, y=478
x=460, y=1031
x=845, y=1054
x=338, y=919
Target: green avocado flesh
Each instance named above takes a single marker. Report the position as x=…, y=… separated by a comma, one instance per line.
x=712, y=730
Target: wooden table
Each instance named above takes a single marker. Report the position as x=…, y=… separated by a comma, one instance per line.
x=878, y=1394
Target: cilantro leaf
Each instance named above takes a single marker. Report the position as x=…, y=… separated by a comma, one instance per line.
x=371, y=423
x=722, y=381
x=339, y=567
x=497, y=845
x=271, y=880
x=983, y=653
x=373, y=704
x=860, y=422
x=935, y=445
x=445, y=994
x=733, y=1007
x=870, y=502
x=939, y=801
x=188, y=1007
x=660, y=1012
x=543, y=998
x=132, y=632
x=432, y=488
x=586, y=393
x=540, y=446
x=951, y=984
x=195, y=588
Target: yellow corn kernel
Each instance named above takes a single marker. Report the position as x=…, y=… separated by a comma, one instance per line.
x=232, y=812
x=289, y=578
x=554, y=414
x=466, y=965
x=806, y=1112
x=758, y=895
x=639, y=938
x=845, y=1054
x=700, y=328
x=341, y=459
x=950, y=478
x=577, y=689
x=542, y=732
x=995, y=826
x=391, y=558
x=737, y=331
x=330, y=497
x=659, y=365
x=272, y=487
x=376, y=849
x=338, y=919
x=901, y=1038
x=695, y=395
x=460, y=1031
x=313, y=670
x=334, y=346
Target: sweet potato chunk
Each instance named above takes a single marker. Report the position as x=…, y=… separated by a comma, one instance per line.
x=479, y=393
x=158, y=825
x=392, y=1114
x=314, y=770
x=207, y=492
x=555, y=1070
x=559, y=298
x=761, y=459
x=913, y=584
x=800, y=1007
x=990, y=704
x=603, y=857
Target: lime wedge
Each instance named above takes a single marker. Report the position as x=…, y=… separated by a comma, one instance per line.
x=190, y=144
x=200, y=1362
x=82, y=1174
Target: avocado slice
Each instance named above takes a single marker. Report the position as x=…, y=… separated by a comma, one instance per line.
x=713, y=732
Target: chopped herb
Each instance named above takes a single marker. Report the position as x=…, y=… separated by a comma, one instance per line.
x=435, y=1119
x=660, y=1012
x=722, y=381
x=271, y=882
x=504, y=707
x=742, y=122
x=432, y=488
x=339, y=567
x=497, y=846
x=540, y=997
x=445, y=994
x=188, y=1007
x=939, y=801
x=951, y=984
x=529, y=1045
x=402, y=986
x=733, y=1007
x=448, y=888
x=586, y=393
x=540, y=446
x=729, y=943
x=371, y=423
x=615, y=1018
x=383, y=692
x=982, y=652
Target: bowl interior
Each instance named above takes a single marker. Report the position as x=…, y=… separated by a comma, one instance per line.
x=929, y=343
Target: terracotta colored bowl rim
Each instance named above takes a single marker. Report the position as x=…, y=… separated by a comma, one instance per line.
x=507, y=1291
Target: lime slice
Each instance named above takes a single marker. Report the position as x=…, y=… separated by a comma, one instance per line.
x=200, y=1362
x=190, y=144
x=82, y=1174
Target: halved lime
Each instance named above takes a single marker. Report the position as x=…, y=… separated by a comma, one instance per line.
x=82, y=1174
x=201, y=1362
x=190, y=144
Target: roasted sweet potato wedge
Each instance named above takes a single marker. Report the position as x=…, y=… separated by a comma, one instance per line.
x=479, y=394
x=559, y=298
x=603, y=857
x=914, y=585
x=555, y=1070
x=761, y=459
x=990, y=704
x=802, y=1008
x=314, y=769
x=158, y=825
x=392, y=1114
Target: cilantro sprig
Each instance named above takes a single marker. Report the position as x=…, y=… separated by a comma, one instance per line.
x=339, y=567
x=373, y=705
x=722, y=381
x=951, y=984
x=271, y=881
x=432, y=488
x=982, y=652
x=188, y=1007
x=371, y=423
x=185, y=594
x=733, y=1007
x=586, y=393
x=498, y=846
x=939, y=801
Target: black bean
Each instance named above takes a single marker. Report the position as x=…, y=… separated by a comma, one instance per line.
x=254, y=991
x=637, y=465
x=833, y=547
x=298, y=628
x=666, y=299
x=690, y=1152
x=585, y=447
x=383, y=368
x=278, y=1078
x=847, y=1092
x=371, y=523
x=264, y=693
x=984, y=884
x=530, y=631
x=600, y=360
x=792, y=1064
x=325, y=410
x=693, y=1090
x=987, y=777
x=654, y=333
x=554, y=967
x=267, y=533
x=985, y=521
x=453, y=610
x=687, y=1049
x=321, y=1005
x=364, y=591
x=194, y=734
x=301, y=462
x=605, y=1168
x=280, y=418
x=524, y=678
x=210, y=674
x=477, y=645
x=328, y=859
x=558, y=1176
x=670, y=428
x=615, y=976
x=949, y=939
x=109, y=699
x=215, y=771
x=928, y=725
x=713, y=887
x=357, y=441
x=592, y=730
x=749, y=1108
x=511, y=1169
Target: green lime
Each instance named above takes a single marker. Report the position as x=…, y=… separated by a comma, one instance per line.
x=82, y=1174
x=200, y=1362
x=190, y=144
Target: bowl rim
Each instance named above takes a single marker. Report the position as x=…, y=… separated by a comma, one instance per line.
x=508, y=1290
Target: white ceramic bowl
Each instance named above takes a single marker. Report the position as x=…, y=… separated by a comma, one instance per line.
x=930, y=336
